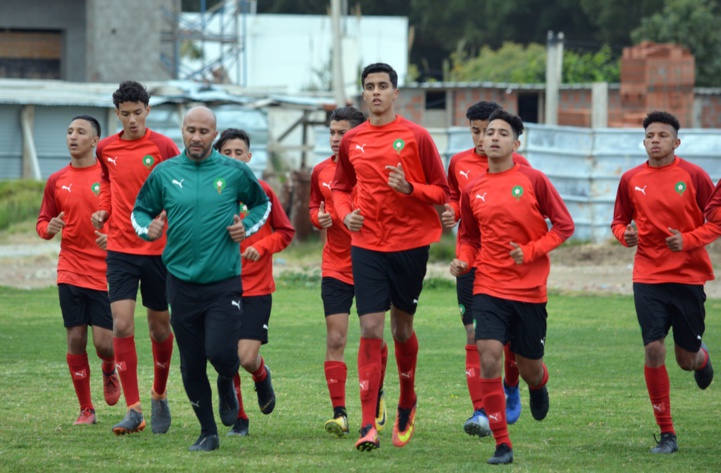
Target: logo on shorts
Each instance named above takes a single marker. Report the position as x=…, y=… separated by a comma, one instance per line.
x=219, y=184
x=517, y=192
x=236, y=304
x=543, y=341
x=398, y=145
x=415, y=301
x=148, y=161
x=680, y=187
x=462, y=309
x=195, y=404
x=95, y=188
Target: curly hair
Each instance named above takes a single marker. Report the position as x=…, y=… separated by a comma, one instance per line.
x=661, y=117
x=481, y=110
x=131, y=91
x=513, y=120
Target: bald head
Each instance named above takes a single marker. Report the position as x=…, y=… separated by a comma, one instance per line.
x=199, y=131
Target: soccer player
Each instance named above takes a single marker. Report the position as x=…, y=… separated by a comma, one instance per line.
x=126, y=159
x=70, y=197
x=258, y=285
x=504, y=235
x=399, y=177
x=464, y=167
x=337, y=284
x=199, y=193
x=666, y=197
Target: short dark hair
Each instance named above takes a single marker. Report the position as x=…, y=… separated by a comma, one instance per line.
x=350, y=114
x=380, y=67
x=131, y=91
x=232, y=134
x=481, y=110
x=513, y=120
x=661, y=117
x=92, y=120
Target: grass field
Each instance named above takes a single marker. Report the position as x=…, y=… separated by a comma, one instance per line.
x=600, y=417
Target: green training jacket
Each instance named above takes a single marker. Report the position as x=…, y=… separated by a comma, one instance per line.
x=200, y=200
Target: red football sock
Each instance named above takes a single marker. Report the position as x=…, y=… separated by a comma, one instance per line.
x=659, y=391
x=126, y=362
x=406, y=358
x=705, y=359
x=511, y=368
x=260, y=374
x=241, y=411
x=544, y=380
x=162, y=354
x=473, y=376
x=369, y=367
x=336, y=373
x=108, y=364
x=384, y=363
x=494, y=401
x=80, y=374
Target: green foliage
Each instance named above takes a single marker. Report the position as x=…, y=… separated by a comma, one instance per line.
x=19, y=201
x=694, y=24
x=516, y=63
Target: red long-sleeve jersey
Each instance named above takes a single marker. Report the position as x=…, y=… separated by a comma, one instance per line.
x=336, y=252
x=274, y=236
x=75, y=191
x=392, y=221
x=126, y=164
x=659, y=198
x=512, y=206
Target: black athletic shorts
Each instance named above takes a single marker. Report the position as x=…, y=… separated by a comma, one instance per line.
x=337, y=296
x=255, y=318
x=521, y=323
x=382, y=279
x=464, y=293
x=662, y=306
x=82, y=306
x=126, y=272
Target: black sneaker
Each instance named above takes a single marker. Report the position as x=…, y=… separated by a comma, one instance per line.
x=240, y=428
x=266, y=394
x=502, y=456
x=667, y=444
x=227, y=401
x=205, y=443
x=538, y=402
x=704, y=376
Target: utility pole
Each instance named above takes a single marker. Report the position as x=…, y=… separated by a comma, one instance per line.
x=338, y=92
x=554, y=69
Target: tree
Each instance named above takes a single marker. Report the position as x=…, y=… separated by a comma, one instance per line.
x=691, y=23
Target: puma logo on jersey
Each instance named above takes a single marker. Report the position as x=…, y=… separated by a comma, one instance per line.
x=361, y=148
x=178, y=183
x=67, y=188
x=482, y=197
x=327, y=184
x=114, y=161
x=464, y=173
x=236, y=304
x=643, y=191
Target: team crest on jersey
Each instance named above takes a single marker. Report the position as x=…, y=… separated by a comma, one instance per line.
x=398, y=145
x=680, y=187
x=219, y=184
x=148, y=161
x=243, y=210
x=517, y=192
x=95, y=188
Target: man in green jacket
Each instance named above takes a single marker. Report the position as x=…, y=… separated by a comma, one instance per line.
x=199, y=194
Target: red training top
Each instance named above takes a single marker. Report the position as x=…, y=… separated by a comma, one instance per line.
x=512, y=206
x=393, y=221
x=274, y=236
x=126, y=165
x=336, y=252
x=672, y=196
x=75, y=191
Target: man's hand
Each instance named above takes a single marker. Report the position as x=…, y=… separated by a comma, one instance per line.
x=99, y=218
x=397, y=180
x=324, y=218
x=56, y=224
x=101, y=240
x=251, y=254
x=630, y=236
x=448, y=217
x=354, y=220
x=237, y=230
x=675, y=241
x=458, y=267
x=156, y=227
x=516, y=253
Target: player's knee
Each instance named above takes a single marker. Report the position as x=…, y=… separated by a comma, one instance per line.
x=336, y=341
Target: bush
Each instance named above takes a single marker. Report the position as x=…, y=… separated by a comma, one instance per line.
x=19, y=201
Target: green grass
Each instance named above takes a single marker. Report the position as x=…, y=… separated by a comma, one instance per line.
x=21, y=200
x=600, y=417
